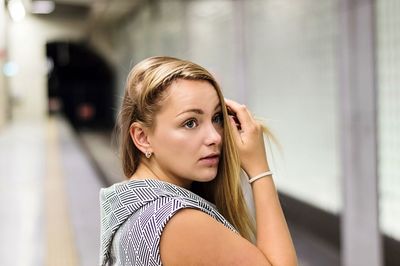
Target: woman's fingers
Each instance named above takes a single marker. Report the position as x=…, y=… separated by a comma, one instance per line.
x=249, y=139
x=242, y=113
x=236, y=132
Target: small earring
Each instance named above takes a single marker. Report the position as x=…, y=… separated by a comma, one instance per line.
x=148, y=154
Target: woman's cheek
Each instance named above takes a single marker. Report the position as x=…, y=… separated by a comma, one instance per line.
x=180, y=141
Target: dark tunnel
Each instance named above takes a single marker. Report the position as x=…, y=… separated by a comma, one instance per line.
x=80, y=85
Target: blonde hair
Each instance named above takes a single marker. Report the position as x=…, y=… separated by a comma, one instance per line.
x=145, y=89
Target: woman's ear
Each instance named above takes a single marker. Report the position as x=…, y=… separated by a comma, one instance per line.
x=140, y=137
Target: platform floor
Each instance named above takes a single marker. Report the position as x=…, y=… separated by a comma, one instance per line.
x=49, y=185
x=49, y=196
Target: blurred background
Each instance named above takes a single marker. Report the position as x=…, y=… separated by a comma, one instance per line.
x=323, y=75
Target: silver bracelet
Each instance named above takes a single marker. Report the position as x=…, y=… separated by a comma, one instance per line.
x=251, y=180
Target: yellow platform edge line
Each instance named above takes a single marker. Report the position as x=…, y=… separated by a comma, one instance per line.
x=60, y=242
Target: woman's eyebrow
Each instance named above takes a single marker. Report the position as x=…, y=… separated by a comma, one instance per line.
x=197, y=111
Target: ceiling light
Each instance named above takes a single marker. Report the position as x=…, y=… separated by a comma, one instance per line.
x=10, y=69
x=16, y=10
x=42, y=7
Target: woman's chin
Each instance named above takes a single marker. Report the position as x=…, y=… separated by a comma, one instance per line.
x=206, y=177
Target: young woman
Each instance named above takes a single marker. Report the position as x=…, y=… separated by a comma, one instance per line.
x=183, y=146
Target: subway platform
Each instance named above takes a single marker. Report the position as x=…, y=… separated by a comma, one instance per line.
x=50, y=177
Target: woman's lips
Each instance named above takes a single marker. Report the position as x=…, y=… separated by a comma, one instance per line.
x=211, y=160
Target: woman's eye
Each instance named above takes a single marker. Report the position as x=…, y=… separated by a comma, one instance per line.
x=190, y=123
x=218, y=118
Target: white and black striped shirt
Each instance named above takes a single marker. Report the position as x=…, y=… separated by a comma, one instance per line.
x=134, y=214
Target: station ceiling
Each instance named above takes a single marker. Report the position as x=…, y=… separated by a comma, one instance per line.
x=96, y=11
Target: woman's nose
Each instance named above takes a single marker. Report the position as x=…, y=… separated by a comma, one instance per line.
x=213, y=136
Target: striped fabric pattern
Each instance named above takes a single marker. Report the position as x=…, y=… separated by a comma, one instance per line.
x=133, y=215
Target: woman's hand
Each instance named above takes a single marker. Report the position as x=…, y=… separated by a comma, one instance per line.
x=272, y=234
x=249, y=139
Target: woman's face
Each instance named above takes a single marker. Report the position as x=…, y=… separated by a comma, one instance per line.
x=187, y=138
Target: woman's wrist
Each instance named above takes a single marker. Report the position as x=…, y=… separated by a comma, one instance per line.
x=257, y=169
x=262, y=175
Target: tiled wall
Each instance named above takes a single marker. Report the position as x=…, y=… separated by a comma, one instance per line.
x=388, y=63
x=3, y=102
x=289, y=50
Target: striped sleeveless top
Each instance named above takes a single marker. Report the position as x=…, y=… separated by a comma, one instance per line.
x=134, y=214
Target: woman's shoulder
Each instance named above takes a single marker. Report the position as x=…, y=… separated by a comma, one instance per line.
x=193, y=238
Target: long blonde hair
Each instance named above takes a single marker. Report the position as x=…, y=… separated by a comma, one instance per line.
x=145, y=89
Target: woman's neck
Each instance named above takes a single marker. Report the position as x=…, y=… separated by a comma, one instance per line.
x=145, y=171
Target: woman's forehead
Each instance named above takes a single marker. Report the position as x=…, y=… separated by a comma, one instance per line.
x=192, y=94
